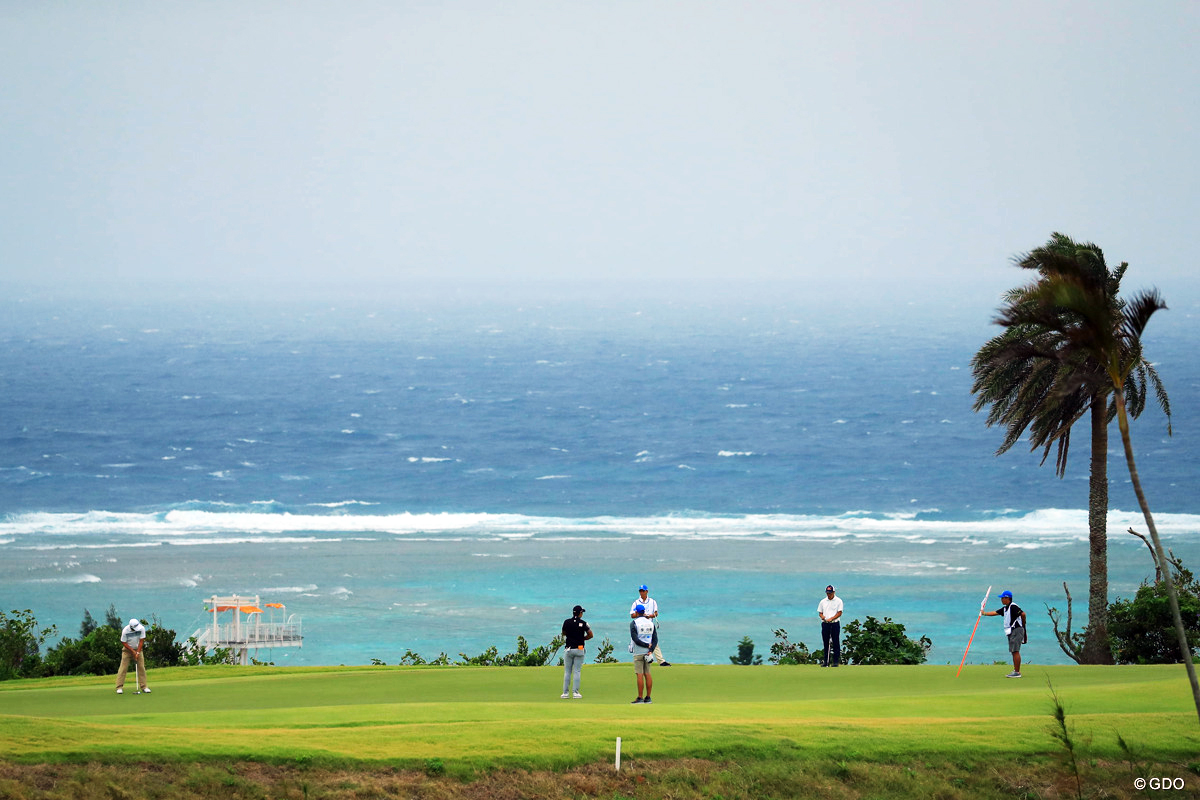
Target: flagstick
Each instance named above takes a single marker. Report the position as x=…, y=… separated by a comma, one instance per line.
x=981, y=607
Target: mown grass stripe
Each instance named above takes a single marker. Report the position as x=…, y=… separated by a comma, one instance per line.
x=513, y=716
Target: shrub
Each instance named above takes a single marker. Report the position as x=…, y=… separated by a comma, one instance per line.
x=745, y=656
x=524, y=657
x=88, y=625
x=412, y=658
x=604, y=654
x=1142, y=631
x=538, y=657
x=487, y=658
x=21, y=641
x=112, y=619
x=161, y=649
x=875, y=642
x=786, y=652
x=98, y=653
x=194, y=654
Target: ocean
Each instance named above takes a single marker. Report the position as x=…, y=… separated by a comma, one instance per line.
x=443, y=473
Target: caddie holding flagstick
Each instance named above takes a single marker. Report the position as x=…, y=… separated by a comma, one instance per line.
x=1014, y=629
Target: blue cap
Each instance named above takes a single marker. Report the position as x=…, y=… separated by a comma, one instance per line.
x=1006, y=593
x=643, y=588
x=639, y=608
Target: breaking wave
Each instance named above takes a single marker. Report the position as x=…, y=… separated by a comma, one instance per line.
x=1027, y=530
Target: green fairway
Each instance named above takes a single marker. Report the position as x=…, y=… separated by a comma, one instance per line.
x=487, y=716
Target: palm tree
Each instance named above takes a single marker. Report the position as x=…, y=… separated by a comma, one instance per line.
x=1091, y=326
x=1033, y=382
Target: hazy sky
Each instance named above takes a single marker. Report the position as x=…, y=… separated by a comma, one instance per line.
x=399, y=141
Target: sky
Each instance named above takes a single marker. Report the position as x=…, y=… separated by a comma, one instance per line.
x=829, y=145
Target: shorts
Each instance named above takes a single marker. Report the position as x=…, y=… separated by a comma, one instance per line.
x=1016, y=639
x=641, y=666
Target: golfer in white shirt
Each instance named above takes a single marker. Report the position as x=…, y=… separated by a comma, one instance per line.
x=830, y=612
x=644, y=599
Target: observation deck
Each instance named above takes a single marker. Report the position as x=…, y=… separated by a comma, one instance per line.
x=246, y=629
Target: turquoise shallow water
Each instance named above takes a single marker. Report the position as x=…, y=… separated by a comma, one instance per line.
x=444, y=479
x=374, y=597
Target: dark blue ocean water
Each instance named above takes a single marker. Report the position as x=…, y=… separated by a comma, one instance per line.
x=443, y=474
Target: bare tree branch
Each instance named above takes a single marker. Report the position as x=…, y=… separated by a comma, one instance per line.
x=1153, y=556
x=1071, y=644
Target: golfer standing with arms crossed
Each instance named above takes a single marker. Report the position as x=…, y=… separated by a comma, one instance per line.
x=830, y=612
x=646, y=601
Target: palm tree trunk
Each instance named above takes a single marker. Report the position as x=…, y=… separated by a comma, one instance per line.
x=1172, y=596
x=1096, y=649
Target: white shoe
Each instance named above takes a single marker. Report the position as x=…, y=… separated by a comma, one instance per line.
x=120, y=691
x=578, y=696
x=146, y=690
x=564, y=695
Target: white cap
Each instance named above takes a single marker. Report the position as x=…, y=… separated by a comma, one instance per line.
x=133, y=623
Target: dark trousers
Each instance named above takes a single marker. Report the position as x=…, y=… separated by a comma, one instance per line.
x=831, y=642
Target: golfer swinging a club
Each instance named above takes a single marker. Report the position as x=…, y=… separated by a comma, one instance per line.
x=133, y=642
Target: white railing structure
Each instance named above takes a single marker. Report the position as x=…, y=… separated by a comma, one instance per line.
x=246, y=630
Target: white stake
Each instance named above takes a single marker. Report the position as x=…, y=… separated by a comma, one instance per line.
x=618, y=754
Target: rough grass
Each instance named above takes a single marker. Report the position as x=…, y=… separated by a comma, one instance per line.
x=681, y=779
x=713, y=731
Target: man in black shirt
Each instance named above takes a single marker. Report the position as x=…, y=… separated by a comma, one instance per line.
x=1014, y=628
x=576, y=632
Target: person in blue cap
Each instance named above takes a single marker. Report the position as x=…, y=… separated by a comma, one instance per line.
x=1014, y=629
x=646, y=600
x=643, y=640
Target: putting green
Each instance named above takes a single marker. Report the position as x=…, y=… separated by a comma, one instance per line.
x=479, y=716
